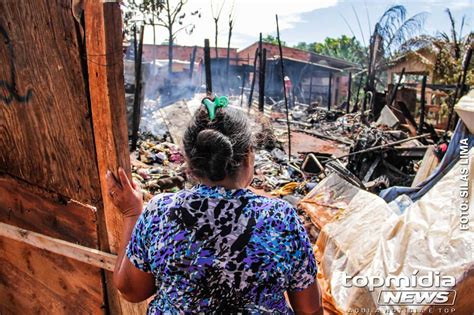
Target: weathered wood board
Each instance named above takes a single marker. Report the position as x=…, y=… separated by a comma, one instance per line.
x=34, y=281
x=45, y=128
x=37, y=210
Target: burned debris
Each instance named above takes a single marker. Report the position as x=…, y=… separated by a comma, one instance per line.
x=344, y=147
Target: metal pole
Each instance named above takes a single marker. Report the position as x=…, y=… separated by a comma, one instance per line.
x=422, y=105
x=207, y=65
x=310, y=89
x=284, y=89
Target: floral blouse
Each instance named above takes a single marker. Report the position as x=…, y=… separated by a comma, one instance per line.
x=211, y=249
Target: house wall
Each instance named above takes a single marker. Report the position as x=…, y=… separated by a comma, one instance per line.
x=419, y=62
x=183, y=52
x=272, y=51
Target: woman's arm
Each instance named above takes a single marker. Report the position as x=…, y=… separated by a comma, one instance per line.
x=307, y=301
x=134, y=284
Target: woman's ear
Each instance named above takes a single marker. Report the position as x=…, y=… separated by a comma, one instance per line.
x=249, y=158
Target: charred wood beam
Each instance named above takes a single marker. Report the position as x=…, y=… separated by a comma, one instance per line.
x=284, y=88
x=310, y=88
x=137, y=100
x=393, y=95
x=383, y=146
x=460, y=87
x=422, y=105
x=260, y=50
x=349, y=86
x=207, y=66
x=261, y=81
x=191, y=65
x=257, y=52
x=356, y=105
x=330, y=90
x=244, y=78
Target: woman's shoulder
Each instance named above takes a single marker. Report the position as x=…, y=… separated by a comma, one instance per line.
x=275, y=205
x=158, y=203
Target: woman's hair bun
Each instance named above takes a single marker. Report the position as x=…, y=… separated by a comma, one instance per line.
x=215, y=149
x=213, y=153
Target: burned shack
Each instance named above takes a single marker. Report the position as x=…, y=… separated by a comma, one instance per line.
x=314, y=77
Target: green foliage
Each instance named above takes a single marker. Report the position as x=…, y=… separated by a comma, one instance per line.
x=394, y=29
x=449, y=49
x=344, y=47
x=272, y=40
x=142, y=11
x=302, y=46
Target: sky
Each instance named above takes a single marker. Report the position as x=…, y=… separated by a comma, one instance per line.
x=307, y=20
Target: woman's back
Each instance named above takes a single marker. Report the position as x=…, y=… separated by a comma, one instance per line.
x=220, y=250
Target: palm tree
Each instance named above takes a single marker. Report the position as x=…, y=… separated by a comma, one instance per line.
x=391, y=32
x=449, y=49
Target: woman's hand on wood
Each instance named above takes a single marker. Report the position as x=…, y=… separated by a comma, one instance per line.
x=125, y=194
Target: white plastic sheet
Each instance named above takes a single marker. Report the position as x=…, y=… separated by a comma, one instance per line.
x=369, y=239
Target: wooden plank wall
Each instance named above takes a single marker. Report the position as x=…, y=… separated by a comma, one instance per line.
x=107, y=97
x=45, y=138
x=49, y=181
x=49, y=171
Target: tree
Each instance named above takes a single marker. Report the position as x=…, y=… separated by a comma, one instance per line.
x=272, y=40
x=391, y=32
x=145, y=12
x=173, y=14
x=231, y=27
x=302, y=46
x=449, y=49
x=216, y=16
x=344, y=47
x=165, y=13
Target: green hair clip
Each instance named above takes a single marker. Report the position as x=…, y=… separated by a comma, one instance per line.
x=211, y=106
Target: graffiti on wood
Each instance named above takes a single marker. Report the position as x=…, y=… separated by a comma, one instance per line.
x=8, y=90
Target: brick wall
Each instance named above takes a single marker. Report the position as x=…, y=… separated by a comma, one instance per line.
x=272, y=50
x=183, y=52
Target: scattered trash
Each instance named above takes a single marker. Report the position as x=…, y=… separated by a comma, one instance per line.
x=158, y=166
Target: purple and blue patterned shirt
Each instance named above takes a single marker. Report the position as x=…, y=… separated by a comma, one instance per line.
x=225, y=251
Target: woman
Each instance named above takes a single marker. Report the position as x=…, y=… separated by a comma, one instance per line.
x=217, y=247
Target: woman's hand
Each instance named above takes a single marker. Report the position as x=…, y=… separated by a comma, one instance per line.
x=125, y=195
